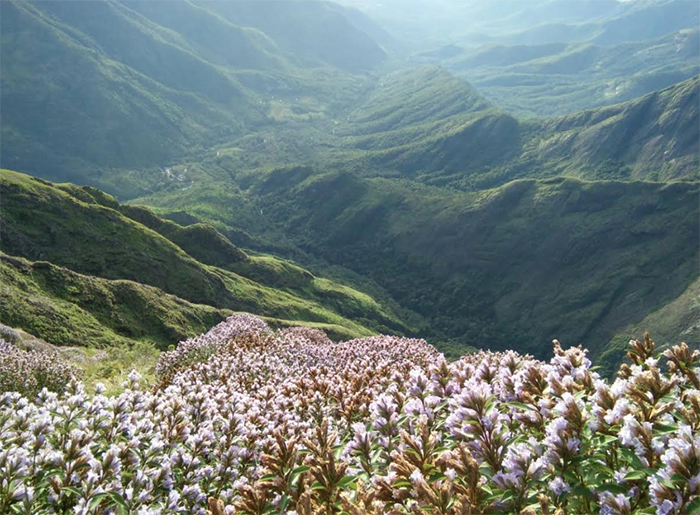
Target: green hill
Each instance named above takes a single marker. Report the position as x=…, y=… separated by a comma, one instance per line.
x=655, y=137
x=559, y=78
x=465, y=216
x=277, y=143
x=70, y=309
x=81, y=230
x=310, y=32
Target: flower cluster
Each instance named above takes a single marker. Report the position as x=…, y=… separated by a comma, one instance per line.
x=202, y=347
x=290, y=422
x=29, y=371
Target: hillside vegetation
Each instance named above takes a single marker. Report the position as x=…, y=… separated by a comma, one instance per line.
x=300, y=162
x=369, y=426
x=559, y=78
x=518, y=255
x=514, y=266
x=97, y=269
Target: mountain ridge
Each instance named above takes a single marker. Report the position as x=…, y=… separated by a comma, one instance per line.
x=94, y=240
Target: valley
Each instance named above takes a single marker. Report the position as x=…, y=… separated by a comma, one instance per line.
x=485, y=192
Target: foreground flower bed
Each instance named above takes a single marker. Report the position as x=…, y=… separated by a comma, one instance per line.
x=251, y=421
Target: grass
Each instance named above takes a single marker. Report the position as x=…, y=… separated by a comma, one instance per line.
x=70, y=309
x=95, y=257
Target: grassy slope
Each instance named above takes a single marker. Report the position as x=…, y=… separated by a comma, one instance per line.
x=49, y=223
x=447, y=255
x=70, y=309
x=655, y=137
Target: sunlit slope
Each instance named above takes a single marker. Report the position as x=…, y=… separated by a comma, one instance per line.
x=654, y=137
x=66, y=308
x=560, y=78
x=89, y=233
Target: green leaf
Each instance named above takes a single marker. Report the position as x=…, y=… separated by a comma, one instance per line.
x=299, y=470
x=694, y=507
x=636, y=475
x=96, y=499
x=608, y=439
x=438, y=476
x=72, y=490
x=664, y=429
x=520, y=405
x=119, y=502
x=613, y=488
x=345, y=481
x=284, y=502
x=317, y=486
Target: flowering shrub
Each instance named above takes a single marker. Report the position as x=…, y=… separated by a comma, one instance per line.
x=290, y=422
x=8, y=334
x=202, y=347
x=29, y=371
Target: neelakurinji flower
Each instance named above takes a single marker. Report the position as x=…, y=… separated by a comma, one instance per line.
x=248, y=420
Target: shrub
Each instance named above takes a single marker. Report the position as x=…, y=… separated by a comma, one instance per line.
x=8, y=334
x=291, y=423
x=29, y=371
x=199, y=349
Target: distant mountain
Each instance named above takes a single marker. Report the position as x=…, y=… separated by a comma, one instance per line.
x=655, y=137
x=603, y=22
x=310, y=32
x=474, y=146
x=89, y=87
x=560, y=78
x=550, y=57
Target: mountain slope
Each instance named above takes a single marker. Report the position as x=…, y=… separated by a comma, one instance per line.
x=74, y=228
x=69, y=309
x=558, y=78
x=114, y=116
x=653, y=138
x=512, y=267
x=311, y=32
x=656, y=136
x=159, y=80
